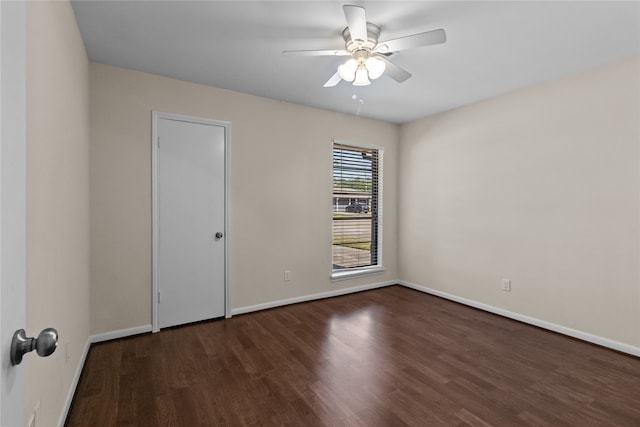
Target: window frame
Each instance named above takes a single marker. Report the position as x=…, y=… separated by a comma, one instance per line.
x=344, y=274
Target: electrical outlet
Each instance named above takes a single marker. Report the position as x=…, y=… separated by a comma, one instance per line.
x=287, y=275
x=506, y=285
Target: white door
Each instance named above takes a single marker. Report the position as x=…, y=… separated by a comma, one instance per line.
x=190, y=221
x=12, y=205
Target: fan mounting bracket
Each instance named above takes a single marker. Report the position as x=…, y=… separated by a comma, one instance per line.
x=373, y=32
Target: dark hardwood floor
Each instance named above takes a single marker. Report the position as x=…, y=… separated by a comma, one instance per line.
x=387, y=357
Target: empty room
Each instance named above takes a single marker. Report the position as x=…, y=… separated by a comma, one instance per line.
x=320, y=213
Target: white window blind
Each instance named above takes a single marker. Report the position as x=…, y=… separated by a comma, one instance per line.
x=355, y=224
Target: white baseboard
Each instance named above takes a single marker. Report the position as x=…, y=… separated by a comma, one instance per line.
x=74, y=385
x=305, y=298
x=605, y=342
x=122, y=333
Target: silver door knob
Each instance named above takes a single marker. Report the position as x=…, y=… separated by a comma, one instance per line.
x=44, y=345
x=219, y=235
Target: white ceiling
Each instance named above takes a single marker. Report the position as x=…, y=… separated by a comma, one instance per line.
x=492, y=47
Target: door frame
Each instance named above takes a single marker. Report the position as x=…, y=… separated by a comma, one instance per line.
x=156, y=117
x=13, y=115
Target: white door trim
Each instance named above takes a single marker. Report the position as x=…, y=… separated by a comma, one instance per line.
x=12, y=205
x=156, y=117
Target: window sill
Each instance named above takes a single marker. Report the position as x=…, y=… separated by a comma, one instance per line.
x=351, y=274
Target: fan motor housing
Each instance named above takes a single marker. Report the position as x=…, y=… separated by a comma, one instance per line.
x=373, y=32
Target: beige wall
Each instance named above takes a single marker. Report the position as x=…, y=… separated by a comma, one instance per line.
x=280, y=191
x=540, y=186
x=57, y=201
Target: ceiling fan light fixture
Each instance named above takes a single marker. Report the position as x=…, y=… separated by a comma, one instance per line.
x=362, y=77
x=348, y=70
x=375, y=67
x=369, y=59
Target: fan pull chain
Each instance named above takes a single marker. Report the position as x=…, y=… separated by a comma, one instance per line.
x=360, y=103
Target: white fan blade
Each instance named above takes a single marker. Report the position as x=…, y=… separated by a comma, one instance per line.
x=334, y=80
x=356, y=21
x=392, y=70
x=416, y=40
x=335, y=52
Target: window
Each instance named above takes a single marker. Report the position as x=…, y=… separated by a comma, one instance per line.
x=356, y=210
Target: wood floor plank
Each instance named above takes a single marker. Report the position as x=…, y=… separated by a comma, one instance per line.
x=387, y=357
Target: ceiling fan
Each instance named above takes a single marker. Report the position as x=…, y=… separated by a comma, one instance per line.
x=369, y=58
